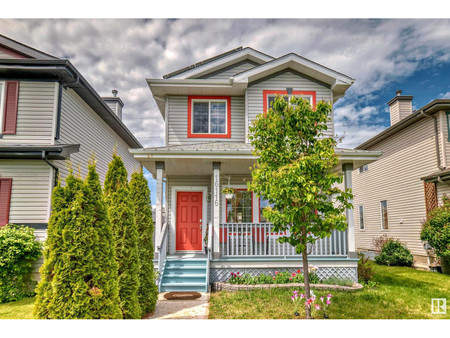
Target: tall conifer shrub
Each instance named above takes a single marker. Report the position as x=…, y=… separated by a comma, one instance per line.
x=79, y=275
x=140, y=194
x=121, y=215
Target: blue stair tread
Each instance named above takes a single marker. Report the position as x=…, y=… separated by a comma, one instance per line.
x=183, y=284
x=185, y=267
x=187, y=275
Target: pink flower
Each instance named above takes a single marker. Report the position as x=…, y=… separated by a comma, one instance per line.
x=329, y=295
x=293, y=274
x=321, y=298
x=276, y=272
x=302, y=296
x=238, y=273
x=317, y=307
x=293, y=298
x=313, y=298
x=273, y=277
x=328, y=302
x=290, y=278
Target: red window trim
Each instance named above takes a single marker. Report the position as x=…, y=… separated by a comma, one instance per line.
x=10, y=109
x=226, y=214
x=8, y=200
x=190, y=134
x=266, y=93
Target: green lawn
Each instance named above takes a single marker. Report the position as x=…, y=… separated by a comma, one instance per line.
x=402, y=293
x=22, y=309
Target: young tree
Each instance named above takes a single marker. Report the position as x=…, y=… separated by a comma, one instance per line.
x=294, y=173
x=140, y=193
x=121, y=215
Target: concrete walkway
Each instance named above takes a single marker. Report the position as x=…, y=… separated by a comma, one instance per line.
x=182, y=309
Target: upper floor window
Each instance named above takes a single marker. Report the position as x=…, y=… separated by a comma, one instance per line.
x=364, y=168
x=209, y=116
x=270, y=95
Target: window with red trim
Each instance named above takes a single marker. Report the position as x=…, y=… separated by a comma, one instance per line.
x=269, y=96
x=209, y=117
x=5, y=199
x=262, y=204
x=239, y=209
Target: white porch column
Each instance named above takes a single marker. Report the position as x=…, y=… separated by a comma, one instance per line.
x=159, y=197
x=347, y=168
x=216, y=208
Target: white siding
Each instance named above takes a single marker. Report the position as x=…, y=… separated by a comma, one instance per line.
x=280, y=82
x=407, y=156
x=81, y=125
x=35, y=114
x=177, y=120
x=227, y=72
x=30, y=193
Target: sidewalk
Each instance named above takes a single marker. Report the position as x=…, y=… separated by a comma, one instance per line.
x=182, y=309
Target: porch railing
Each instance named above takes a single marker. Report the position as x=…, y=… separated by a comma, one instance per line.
x=162, y=248
x=259, y=239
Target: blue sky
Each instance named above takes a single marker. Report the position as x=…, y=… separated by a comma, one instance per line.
x=382, y=55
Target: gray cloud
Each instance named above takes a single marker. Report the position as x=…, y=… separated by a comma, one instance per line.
x=121, y=54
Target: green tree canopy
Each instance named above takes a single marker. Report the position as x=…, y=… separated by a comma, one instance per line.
x=294, y=172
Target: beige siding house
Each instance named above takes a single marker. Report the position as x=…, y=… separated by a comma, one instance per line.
x=49, y=113
x=391, y=196
x=207, y=108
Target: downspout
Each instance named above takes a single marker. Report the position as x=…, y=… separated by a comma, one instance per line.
x=438, y=153
x=55, y=176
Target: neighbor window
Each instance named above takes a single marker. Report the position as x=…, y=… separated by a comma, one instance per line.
x=361, y=217
x=262, y=204
x=209, y=117
x=384, y=215
x=364, y=168
x=239, y=207
x=270, y=95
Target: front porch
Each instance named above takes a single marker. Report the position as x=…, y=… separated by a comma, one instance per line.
x=234, y=233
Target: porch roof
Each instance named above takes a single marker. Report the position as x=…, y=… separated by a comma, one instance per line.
x=197, y=158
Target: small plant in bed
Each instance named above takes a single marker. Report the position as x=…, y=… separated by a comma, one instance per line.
x=278, y=277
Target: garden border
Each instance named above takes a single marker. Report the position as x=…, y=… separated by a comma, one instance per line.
x=224, y=286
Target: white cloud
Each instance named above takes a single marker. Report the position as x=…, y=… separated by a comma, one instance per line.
x=121, y=54
x=444, y=95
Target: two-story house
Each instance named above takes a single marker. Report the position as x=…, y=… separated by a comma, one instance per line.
x=50, y=113
x=207, y=108
x=393, y=195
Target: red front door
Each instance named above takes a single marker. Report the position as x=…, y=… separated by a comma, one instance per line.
x=189, y=219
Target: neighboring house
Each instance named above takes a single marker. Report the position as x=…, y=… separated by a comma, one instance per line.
x=49, y=113
x=393, y=195
x=207, y=108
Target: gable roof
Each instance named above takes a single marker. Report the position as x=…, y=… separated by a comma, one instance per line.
x=219, y=61
x=430, y=108
x=19, y=50
x=338, y=82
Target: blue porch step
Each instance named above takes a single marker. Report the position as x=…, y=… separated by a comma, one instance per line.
x=184, y=274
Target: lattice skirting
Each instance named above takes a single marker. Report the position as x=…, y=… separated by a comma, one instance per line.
x=222, y=274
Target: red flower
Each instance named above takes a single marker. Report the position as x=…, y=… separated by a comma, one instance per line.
x=276, y=272
x=298, y=271
x=238, y=273
x=274, y=277
x=293, y=274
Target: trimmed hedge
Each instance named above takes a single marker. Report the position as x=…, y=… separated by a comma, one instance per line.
x=19, y=248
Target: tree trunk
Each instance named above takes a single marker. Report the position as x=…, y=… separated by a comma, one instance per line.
x=306, y=274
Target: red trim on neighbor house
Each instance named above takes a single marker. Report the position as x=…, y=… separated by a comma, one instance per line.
x=11, y=105
x=284, y=92
x=12, y=53
x=190, y=134
x=5, y=200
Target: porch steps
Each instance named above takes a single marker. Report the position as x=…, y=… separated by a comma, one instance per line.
x=184, y=274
